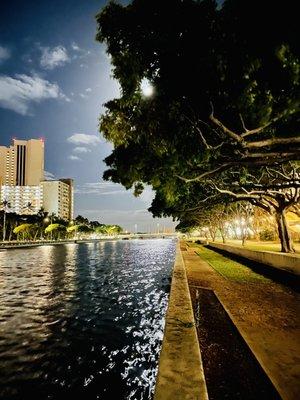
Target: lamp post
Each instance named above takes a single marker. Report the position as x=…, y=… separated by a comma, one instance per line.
x=135, y=228
x=157, y=228
x=47, y=219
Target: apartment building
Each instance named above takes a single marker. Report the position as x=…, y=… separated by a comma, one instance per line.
x=58, y=198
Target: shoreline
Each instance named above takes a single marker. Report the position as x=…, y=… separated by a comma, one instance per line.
x=26, y=245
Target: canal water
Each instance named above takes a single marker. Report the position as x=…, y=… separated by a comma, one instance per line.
x=83, y=319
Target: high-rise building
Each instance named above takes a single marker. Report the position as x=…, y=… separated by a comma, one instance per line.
x=70, y=182
x=58, y=198
x=22, y=182
x=22, y=163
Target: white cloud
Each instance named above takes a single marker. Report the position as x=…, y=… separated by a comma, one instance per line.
x=55, y=57
x=88, y=90
x=4, y=54
x=75, y=46
x=74, y=158
x=111, y=188
x=147, y=195
x=83, y=138
x=20, y=92
x=101, y=188
x=48, y=175
x=80, y=149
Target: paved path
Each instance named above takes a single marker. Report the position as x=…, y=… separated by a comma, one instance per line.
x=267, y=316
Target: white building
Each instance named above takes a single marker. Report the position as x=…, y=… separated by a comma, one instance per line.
x=22, y=199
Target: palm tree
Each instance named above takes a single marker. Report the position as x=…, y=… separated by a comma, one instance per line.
x=52, y=228
x=28, y=207
x=24, y=229
x=5, y=206
x=12, y=221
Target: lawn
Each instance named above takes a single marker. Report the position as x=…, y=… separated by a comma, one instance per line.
x=228, y=268
x=259, y=246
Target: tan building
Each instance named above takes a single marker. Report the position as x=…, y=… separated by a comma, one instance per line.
x=22, y=199
x=22, y=163
x=58, y=198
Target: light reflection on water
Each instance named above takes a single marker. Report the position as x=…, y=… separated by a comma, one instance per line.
x=83, y=319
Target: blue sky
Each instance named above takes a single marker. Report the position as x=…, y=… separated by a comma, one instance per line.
x=54, y=80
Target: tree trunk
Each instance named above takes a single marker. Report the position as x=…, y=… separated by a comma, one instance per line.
x=10, y=232
x=223, y=236
x=4, y=226
x=244, y=235
x=283, y=232
x=212, y=234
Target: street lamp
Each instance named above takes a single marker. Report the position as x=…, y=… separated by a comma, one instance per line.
x=47, y=219
x=147, y=88
x=157, y=228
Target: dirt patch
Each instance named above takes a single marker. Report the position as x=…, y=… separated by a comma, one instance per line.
x=231, y=371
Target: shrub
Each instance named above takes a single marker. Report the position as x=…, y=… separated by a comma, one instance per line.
x=267, y=235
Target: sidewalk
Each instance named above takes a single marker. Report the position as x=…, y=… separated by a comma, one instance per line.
x=267, y=316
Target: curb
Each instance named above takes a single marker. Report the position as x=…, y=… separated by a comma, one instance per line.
x=180, y=373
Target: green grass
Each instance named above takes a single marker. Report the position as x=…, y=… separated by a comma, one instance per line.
x=229, y=269
x=253, y=245
x=259, y=247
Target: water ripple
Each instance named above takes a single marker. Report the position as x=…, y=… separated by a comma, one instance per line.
x=83, y=319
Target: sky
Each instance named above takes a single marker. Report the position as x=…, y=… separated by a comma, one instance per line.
x=54, y=81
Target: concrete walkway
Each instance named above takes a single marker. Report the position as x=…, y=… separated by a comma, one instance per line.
x=266, y=315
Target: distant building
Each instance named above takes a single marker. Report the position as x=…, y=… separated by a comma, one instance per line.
x=22, y=163
x=22, y=182
x=22, y=199
x=58, y=198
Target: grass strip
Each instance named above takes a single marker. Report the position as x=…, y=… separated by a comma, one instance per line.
x=228, y=268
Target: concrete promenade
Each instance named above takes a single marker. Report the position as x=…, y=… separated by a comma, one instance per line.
x=267, y=316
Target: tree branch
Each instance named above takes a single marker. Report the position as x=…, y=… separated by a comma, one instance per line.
x=273, y=142
x=261, y=128
x=220, y=125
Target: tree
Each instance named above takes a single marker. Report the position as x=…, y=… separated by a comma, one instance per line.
x=81, y=220
x=275, y=190
x=24, y=229
x=55, y=228
x=202, y=46
x=223, y=100
x=5, y=207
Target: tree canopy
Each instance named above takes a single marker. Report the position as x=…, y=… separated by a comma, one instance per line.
x=225, y=95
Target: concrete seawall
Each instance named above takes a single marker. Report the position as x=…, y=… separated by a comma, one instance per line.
x=180, y=374
x=285, y=262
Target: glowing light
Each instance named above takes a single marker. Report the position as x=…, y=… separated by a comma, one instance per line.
x=147, y=88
